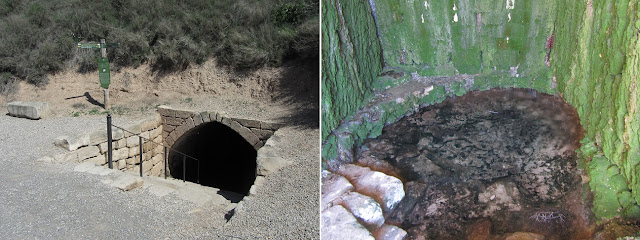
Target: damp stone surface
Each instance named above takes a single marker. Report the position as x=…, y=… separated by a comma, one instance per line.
x=503, y=156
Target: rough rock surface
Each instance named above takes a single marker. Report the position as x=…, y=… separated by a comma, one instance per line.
x=339, y=223
x=31, y=110
x=497, y=155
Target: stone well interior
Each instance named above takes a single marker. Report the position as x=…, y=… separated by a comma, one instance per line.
x=227, y=160
x=386, y=60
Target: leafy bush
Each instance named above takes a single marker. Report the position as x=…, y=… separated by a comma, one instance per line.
x=8, y=84
x=40, y=36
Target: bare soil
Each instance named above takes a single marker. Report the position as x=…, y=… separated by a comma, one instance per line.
x=277, y=93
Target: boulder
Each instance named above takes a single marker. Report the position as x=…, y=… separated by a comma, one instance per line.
x=338, y=223
x=390, y=232
x=333, y=185
x=364, y=208
x=30, y=110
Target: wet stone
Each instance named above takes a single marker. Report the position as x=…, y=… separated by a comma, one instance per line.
x=494, y=155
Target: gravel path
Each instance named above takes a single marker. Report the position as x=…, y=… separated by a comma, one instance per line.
x=51, y=201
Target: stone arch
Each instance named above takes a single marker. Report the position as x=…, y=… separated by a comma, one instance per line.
x=180, y=124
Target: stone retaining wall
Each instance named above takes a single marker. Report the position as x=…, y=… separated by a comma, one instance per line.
x=126, y=147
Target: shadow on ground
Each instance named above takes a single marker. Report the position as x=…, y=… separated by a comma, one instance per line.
x=299, y=88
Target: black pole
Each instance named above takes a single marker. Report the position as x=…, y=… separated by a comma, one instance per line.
x=184, y=168
x=165, y=162
x=109, y=140
x=140, y=141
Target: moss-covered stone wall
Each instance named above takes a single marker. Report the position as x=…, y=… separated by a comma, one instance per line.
x=596, y=65
x=447, y=37
x=351, y=59
x=586, y=51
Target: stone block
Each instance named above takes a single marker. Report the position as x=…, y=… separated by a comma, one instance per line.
x=104, y=146
x=157, y=159
x=87, y=152
x=189, y=123
x=148, y=124
x=100, y=159
x=386, y=189
x=127, y=183
x=268, y=161
x=258, y=145
x=122, y=143
x=333, y=186
x=248, y=122
x=121, y=153
x=243, y=131
x=133, y=141
x=132, y=130
x=269, y=126
x=98, y=137
x=339, y=223
x=213, y=116
x=158, y=149
x=134, y=151
x=157, y=170
x=155, y=133
x=132, y=161
x=172, y=121
x=184, y=114
x=364, y=208
x=72, y=143
x=390, y=232
x=205, y=117
x=197, y=120
x=122, y=164
x=30, y=110
x=262, y=134
x=166, y=111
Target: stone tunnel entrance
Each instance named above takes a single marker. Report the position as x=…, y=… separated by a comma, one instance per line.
x=227, y=160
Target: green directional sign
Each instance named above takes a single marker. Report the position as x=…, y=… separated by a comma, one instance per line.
x=103, y=72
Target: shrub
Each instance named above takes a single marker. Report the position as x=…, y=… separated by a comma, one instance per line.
x=8, y=84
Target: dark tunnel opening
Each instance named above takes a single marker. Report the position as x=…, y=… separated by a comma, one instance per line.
x=227, y=160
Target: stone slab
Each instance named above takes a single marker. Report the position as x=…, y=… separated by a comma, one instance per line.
x=338, y=223
x=390, y=232
x=30, y=110
x=127, y=183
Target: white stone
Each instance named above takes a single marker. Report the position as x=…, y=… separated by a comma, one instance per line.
x=333, y=186
x=256, y=184
x=389, y=189
x=72, y=143
x=127, y=183
x=267, y=161
x=87, y=152
x=100, y=159
x=133, y=141
x=98, y=137
x=122, y=164
x=339, y=223
x=364, y=208
x=31, y=110
x=148, y=124
x=122, y=153
x=134, y=151
x=390, y=232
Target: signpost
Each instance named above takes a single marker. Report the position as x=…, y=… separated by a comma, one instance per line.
x=104, y=74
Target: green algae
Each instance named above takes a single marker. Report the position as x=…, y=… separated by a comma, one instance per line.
x=594, y=66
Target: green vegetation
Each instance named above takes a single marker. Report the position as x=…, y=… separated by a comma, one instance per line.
x=39, y=37
x=593, y=65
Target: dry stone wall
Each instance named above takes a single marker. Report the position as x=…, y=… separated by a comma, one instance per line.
x=126, y=147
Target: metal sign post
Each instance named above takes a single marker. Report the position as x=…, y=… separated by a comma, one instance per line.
x=104, y=74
